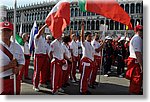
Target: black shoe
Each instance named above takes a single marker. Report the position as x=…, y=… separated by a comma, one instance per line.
x=86, y=93
x=91, y=86
x=96, y=83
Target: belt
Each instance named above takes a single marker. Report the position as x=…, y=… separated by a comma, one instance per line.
x=7, y=77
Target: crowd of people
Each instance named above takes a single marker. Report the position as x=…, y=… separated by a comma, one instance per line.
x=57, y=60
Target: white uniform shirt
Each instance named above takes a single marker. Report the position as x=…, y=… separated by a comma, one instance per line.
x=48, y=48
x=88, y=50
x=135, y=45
x=66, y=49
x=74, y=47
x=39, y=44
x=57, y=49
x=26, y=49
x=96, y=45
x=17, y=52
x=79, y=49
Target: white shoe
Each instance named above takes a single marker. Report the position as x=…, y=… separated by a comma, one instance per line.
x=61, y=90
x=73, y=81
x=36, y=89
x=43, y=85
x=120, y=76
x=55, y=93
x=106, y=75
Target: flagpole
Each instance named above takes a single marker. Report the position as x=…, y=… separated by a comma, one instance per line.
x=15, y=4
x=102, y=52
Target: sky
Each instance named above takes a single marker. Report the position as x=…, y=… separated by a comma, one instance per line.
x=10, y=3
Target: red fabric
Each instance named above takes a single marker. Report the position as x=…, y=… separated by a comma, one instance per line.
x=7, y=86
x=58, y=20
x=97, y=60
x=110, y=9
x=24, y=70
x=85, y=75
x=57, y=73
x=136, y=77
x=39, y=69
x=7, y=25
x=66, y=74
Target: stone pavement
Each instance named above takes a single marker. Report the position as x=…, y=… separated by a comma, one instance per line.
x=111, y=85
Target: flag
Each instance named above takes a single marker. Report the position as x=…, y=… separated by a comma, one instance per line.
x=19, y=40
x=109, y=9
x=33, y=32
x=81, y=4
x=59, y=17
x=20, y=32
x=23, y=19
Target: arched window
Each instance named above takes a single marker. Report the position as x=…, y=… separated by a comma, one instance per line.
x=107, y=23
x=127, y=8
x=79, y=25
x=116, y=26
x=122, y=6
x=97, y=25
x=76, y=12
x=72, y=12
x=132, y=8
x=88, y=13
x=93, y=25
x=132, y=22
x=75, y=25
x=102, y=22
x=111, y=25
x=121, y=26
x=88, y=25
x=84, y=13
x=138, y=8
x=72, y=24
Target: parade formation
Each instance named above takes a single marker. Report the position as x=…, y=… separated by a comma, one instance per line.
x=57, y=56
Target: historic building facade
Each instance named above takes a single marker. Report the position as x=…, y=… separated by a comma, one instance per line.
x=39, y=12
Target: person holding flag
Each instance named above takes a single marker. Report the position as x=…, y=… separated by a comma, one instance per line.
x=39, y=58
x=87, y=61
x=11, y=61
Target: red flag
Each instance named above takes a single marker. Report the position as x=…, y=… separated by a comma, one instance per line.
x=59, y=17
x=109, y=9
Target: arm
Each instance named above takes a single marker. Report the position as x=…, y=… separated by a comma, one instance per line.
x=11, y=65
x=41, y=31
x=139, y=59
x=82, y=32
x=100, y=48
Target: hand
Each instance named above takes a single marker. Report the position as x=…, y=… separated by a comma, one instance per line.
x=13, y=63
x=15, y=70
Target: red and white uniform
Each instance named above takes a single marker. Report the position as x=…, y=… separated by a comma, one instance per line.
x=87, y=62
x=48, y=62
x=74, y=48
x=136, y=79
x=39, y=61
x=97, y=60
x=56, y=64
x=66, y=72
x=25, y=68
x=7, y=85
